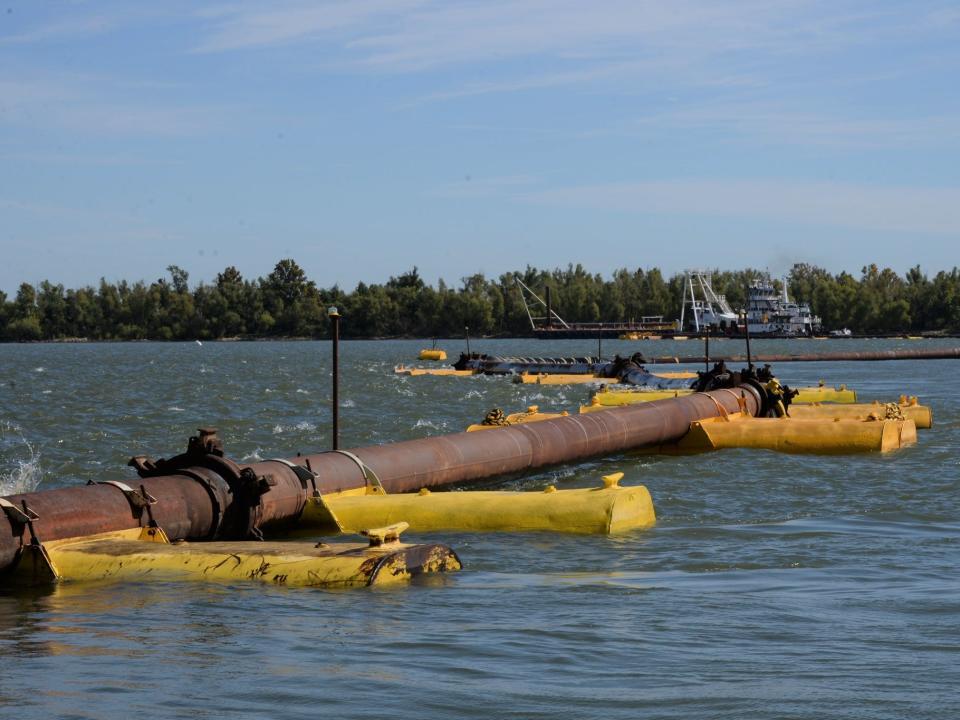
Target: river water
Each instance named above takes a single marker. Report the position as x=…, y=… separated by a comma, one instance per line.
x=773, y=586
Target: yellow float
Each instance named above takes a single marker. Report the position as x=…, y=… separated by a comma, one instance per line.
x=140, y=554
x=496, y=419
x=789, y=435
x=909, y=408
x=564, y=379
x=415, y=372
x=602, y=510
x=605, y=399
x=433, y=354
x=824, y=394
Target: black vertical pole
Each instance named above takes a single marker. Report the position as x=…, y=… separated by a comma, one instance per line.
x=600, y=343
x=706, y=348
x=466, y=334
x=746, y=331
x=335, y=335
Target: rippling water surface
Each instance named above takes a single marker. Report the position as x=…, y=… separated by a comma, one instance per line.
x=772, y=586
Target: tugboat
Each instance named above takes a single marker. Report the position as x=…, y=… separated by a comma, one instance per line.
x=771, y=313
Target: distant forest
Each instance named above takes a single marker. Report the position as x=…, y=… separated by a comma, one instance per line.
x=286, y=303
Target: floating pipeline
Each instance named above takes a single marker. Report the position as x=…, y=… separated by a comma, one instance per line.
x=790, y=435
x=202, y=495
x=865, y=356
x=626, y=371
x=563, y=379
x=603, y=510
x=616, y=397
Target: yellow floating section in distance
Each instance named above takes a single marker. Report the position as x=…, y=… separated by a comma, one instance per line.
x=921, y=415
x=825, y=394
x=414, y=372
x=561, y=379
x=433, y=354
x=602, y=510
x=616, y=398
x=789, y=435
x=532, y=414
x=122, y=556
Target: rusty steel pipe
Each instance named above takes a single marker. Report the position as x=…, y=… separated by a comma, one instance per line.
x=873, y=355
x=470, y=457
x=197, y=503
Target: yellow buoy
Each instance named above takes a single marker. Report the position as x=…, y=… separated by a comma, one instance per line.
x=603, y=510
x=433, y=354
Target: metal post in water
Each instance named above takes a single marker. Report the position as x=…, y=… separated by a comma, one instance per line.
x=746, y=332
x=706, y=348
x=466, y=335
x=549, y=308
x=335, y=335
x=600, y=343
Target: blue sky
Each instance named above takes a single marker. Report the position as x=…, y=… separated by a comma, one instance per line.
x=364, y=137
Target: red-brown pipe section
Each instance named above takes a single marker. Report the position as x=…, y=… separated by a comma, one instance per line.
x=465, y=457
x=196, y=504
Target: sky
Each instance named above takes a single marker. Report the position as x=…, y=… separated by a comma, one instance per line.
x=366, y=137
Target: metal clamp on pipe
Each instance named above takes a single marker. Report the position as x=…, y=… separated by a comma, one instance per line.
x=375, y=485
x=236, y=492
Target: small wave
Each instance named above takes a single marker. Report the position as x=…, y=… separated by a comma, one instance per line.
x=39, y=369
x=46, y=392
x=301, y=391
x=422, y=423
x=26, y=474
x=473, y=394
x=174, y=408
x=254, y=456
x=348, y=403
x=302, y=426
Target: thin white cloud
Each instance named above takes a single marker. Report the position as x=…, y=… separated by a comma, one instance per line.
x=100, y=106
x=256, y=25
x=66, y=29
x=896, y=209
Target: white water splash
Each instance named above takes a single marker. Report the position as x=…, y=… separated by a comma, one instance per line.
x=303, y=425
x=252, y=457
x=473, y=394
x=174, y=408
x=348, y=403
x=301, y=391
x=422, y=423
x=25, y=474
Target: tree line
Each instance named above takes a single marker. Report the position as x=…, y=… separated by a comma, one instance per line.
x=286, y=303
